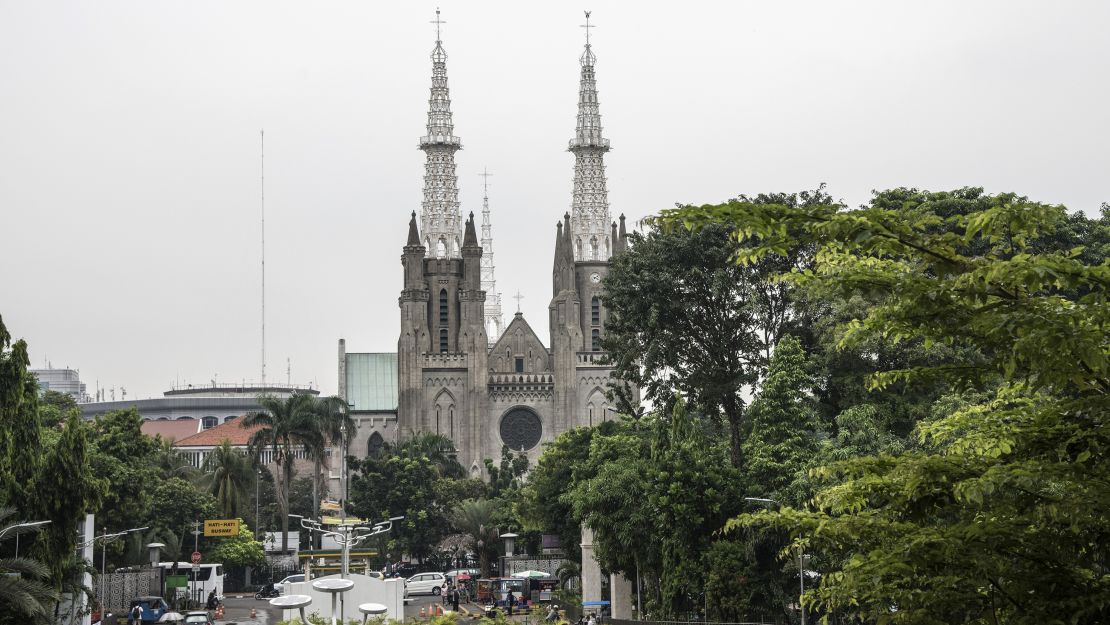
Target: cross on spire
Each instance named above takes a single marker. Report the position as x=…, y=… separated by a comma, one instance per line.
x=485, y=180
x=588, y=26
x=518, y=297
x=438, y=21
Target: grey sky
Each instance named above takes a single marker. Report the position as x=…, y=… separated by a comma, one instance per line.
x=129, y=170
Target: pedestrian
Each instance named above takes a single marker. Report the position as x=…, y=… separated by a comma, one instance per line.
x=510, y=601
x=136, y=616
x=454, y=598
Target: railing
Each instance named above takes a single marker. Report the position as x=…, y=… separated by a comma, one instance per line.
x=453, y=360
x=505, y=379
x=196, y=458
x=593, y=358
x=232, y=386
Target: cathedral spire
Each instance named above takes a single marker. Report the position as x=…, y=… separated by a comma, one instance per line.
x=495, y=323
x=439, y=218
x=589, y=231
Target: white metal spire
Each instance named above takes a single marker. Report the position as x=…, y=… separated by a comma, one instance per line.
x=440, y=221
x=590, y=222
x=495, y=323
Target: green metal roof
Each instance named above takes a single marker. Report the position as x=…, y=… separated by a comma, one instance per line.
x=372, y=381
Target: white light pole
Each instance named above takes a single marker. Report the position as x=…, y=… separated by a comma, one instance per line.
x=351, y=536
x=801, y=563
x=19, y=526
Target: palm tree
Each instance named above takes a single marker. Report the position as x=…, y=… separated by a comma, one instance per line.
x=24, y=588
x=333, y=425
x=169, y=461
x=286, y=424
x=229, y=475
x=474, y=517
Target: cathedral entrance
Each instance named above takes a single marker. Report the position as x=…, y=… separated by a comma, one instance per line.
x=521, y=428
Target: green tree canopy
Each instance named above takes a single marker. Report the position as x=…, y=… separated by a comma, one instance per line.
x=999, y=517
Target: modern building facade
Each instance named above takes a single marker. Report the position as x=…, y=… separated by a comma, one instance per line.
x=209, y=404
x=66, y=381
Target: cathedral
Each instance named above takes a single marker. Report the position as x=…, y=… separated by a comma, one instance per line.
x=459, y=371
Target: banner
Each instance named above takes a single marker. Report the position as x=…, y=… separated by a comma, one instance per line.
x=221, y=527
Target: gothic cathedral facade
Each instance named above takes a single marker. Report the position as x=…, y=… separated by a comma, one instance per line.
x=459, y=372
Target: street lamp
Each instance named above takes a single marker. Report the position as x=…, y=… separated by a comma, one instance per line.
x=350, y=536
x=20, y=526
x=801, y=563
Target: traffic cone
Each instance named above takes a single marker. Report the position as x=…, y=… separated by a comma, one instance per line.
x=421, y=611
x=439, y=610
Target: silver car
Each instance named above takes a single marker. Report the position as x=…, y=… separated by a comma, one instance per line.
x=425, y=584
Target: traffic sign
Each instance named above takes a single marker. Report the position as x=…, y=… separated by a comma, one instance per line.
x=221, y=527
x=196, y=557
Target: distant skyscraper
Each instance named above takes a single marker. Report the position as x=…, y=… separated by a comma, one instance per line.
x=66, y=381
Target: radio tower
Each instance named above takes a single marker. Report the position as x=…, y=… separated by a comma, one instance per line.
x=495, y=323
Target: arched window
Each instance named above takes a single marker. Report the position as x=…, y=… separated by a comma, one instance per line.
x=441, y=248
x=451, y=422
x=209, y=422
x=443, y=341
x=607, y=252
x=595, y=311
x=443, y=307
x=591, y=411
x=595, y=335
x=593, y=248
x=374, y=445
x=578, y=248
x=437, y=421
x=456, y=248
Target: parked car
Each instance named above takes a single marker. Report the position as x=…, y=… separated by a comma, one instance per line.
x=425, y=583
x=292, y=579
x=197, y=618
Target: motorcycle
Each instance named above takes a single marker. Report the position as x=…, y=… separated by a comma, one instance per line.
x=267, y=592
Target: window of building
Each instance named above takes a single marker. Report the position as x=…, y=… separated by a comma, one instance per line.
x=437, y=421
x=595, y=311
x=520, y=365
x=209, y=422
x=593, y=248
x=441, y=249
x=595, y=335
x=443, y=341
x=443, y=307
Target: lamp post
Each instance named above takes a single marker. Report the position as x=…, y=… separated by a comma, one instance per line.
x=19, y=526
x=351, y=536
x=801, y=562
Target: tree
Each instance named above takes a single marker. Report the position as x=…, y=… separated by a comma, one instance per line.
x=286, y=424
x=24, y=587
x=999, y=516
x=783, y=435
x=20, y=423
x=475, y=519
x=55, y=408
x=229, y=476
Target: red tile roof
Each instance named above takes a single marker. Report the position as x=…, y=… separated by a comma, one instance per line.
x=232, y=431
x=171, y=430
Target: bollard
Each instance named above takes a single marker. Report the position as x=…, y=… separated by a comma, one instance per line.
x=254, y=614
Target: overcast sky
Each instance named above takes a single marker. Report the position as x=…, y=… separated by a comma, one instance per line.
x=129, y=147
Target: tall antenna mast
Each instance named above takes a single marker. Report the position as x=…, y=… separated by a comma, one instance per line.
x=262, y=137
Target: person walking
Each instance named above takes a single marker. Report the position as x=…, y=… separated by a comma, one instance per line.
x=510, y=601
x=454, y=598
x=136, y=616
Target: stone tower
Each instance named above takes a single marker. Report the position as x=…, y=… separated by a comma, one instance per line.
x=442, y=301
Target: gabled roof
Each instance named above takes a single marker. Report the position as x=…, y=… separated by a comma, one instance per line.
x=174, y=430
x=232, y=431
x=517, y=322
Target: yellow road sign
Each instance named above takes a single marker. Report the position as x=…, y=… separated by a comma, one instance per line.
x=221, y=527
